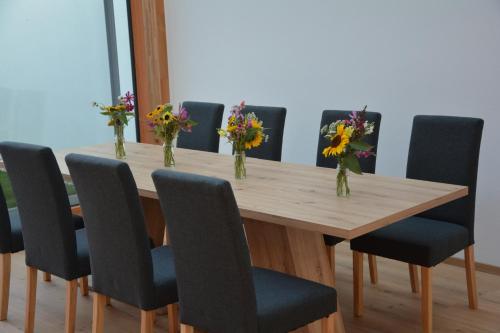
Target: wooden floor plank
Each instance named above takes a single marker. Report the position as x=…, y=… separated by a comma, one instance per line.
x=390, y=306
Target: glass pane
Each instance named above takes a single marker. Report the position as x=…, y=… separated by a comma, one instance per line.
x=54, y=63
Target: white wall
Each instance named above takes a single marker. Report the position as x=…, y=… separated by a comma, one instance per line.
x=53, y=64
x=400, y=57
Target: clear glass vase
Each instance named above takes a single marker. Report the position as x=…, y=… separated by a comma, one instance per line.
x=343, y=189
x=169, y=151
x=119, y=142
x=240, y=171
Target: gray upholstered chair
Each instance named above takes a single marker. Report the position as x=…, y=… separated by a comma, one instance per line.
x=204, y=136
x=273, y=119
x=48, y=227
x=442, y=149
x=218, y=289
x=11, y=241
x=367, y=166
x=123, y=265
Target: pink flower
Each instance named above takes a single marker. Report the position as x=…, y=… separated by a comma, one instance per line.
x=364, y=154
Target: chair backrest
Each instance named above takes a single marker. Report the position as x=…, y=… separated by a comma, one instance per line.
x=273, y=119
x=204, y=136
x=120, y=256
x=212, y=261
x=44, y=209
x=446, y=149
x=5, y=231
x=329, y=116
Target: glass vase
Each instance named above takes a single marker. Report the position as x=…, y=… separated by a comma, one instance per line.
x=168, y=152
x=240, y=171
x=343, y=189
x=120, y=142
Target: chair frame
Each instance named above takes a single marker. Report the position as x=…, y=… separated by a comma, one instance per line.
x=426, y=285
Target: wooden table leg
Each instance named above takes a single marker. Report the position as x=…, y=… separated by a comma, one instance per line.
x=293, y=251
x=155, y=224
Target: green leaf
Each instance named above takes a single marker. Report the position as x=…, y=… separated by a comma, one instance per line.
x=352, y=163
x=359, y=145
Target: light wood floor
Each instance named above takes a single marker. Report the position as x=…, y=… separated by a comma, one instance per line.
x=389, y=307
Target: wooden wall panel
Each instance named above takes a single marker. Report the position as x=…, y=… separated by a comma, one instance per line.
x=150, y=60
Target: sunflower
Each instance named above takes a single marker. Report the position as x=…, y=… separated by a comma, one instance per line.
x=339, y=141
x=256, y=141
x=256, y=124
x=167, y=117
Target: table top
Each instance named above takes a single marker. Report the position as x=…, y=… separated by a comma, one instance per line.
x=288, y=194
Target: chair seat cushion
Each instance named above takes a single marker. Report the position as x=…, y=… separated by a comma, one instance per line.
x=285, y=303
x=164, y=277
x=17, y=243
x=332, y=240
x=416, y=240
x=82, y=251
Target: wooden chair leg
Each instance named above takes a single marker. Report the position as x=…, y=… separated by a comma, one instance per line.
x=98, y=313
x=47, y=277
x=5, y=265
x=187, y=329
x=330, y=252
x=84, y=286
x=427, y=299
x=372, y=263
x=71, y=291
x=108, y=301
x=173, y=318
x=357, y=258
x=29, y=315
x=147, y=321
x=328, y=324
x=415, y=286
x=470, y=272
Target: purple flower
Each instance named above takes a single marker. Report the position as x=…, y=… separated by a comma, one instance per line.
x=129, y=97
x=183, y=114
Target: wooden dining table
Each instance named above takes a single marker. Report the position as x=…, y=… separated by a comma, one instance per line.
x=286, y=207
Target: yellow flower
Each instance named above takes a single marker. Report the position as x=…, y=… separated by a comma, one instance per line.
x=339, y=141
x=167, y=117
x=231, y=129
x=257, y=140
x=256, y=124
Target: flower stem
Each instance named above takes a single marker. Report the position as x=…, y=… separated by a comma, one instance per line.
x=240, y=171
x=343, y=189
x=119, y=142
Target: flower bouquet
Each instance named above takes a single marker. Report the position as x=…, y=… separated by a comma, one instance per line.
x=119, y=115
x=347, y=146
x=166, y=125
x=245, y=132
